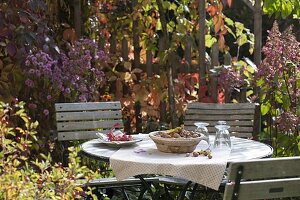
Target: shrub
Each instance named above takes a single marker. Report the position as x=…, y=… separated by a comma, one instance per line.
x=24, y=175
x=278, y=77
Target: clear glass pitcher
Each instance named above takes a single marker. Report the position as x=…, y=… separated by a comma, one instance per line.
x=202, y=128
x=222, y=138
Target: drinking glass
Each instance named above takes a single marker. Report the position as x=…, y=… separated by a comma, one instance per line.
x=202, y=129
x=222, y=138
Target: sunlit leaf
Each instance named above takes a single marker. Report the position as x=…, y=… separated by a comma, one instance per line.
x=286, y=8
x=239, y=28
x=249, y=92
x=265, y=108
x=209, y=41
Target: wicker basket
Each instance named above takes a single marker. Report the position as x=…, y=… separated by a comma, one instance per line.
x=174, y=145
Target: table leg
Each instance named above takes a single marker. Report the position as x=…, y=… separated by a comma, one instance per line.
x=147, y=187
x=182, y=193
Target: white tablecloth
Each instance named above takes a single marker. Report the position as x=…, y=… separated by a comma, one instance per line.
x=144, y=158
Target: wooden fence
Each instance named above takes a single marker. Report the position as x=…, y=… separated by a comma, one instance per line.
x=186, y=67
x=203, y=67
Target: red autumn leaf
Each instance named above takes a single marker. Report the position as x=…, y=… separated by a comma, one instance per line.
x=218, y=22
x=229, y=2
x=221, y=97
x=221, y=42
x=195, y=77
x=223, y=32
x=211, y=10
x=202, y=91
x=69, y=35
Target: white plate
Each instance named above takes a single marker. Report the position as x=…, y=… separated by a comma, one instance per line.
x=120, y=143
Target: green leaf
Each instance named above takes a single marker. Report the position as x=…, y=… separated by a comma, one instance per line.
x=170, y=26
x=250, y=69
x=173, y=6
x=242, y=39
x=286, y=8
x=229, y=21
x=158, y=25
x=231, y=32
x=209, y=41
x=239, y=28
x=180, y=9
x=166, y=5
x=278, y=97
x=260, y=82
x=249, y=92
x=265, y=108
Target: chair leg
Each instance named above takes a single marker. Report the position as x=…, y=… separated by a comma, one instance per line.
x=142, y=192
x=124, y=193
x=167, y=192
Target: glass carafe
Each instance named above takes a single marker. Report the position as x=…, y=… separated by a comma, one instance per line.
x=202, y=129
x=222, y=138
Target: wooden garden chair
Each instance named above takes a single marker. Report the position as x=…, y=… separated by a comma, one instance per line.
x=81, y=121
x=241, y=117
x=263, y=179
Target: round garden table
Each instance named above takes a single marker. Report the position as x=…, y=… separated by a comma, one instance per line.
x=144, y=158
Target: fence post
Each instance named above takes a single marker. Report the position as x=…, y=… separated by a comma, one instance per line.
x=113, y=43
x=101, y=43
x=188, y=53
x=138, y=117
x=227, y=62
x=125, y=49
x=136, y=39
x=149, y=63
x=202, y=52
x=163, y=112
x=213, y=73
x=77, y=17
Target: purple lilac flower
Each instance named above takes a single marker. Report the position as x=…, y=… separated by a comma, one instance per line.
x=82, y=98
x=29, y=83
x=77, y=70
x=67, y=90
x=46, y=112
x=287, y=122
x=278, y=72
x=32, y=105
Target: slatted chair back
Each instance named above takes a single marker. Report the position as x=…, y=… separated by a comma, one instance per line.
x=78, y=121
x=241, y=117
x=263, y=179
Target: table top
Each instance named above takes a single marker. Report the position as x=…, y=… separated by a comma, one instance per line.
x=242, y=149
x=144, y=158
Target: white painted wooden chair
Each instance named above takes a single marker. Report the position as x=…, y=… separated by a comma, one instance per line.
x=263, y=179
x=81, y=121
x=241, y=117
